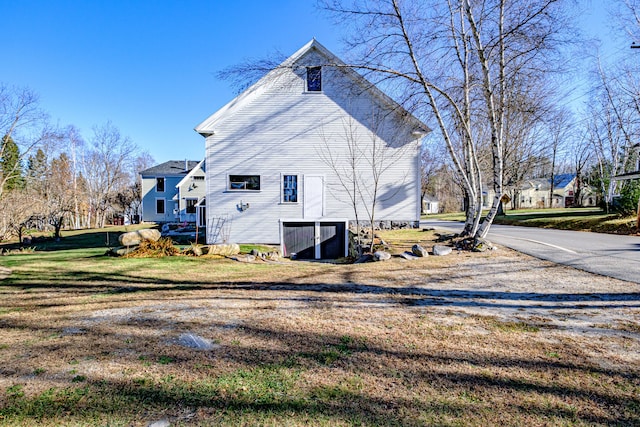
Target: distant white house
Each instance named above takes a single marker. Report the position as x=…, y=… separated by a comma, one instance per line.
x=173, y=191
x=278, y=157
x=430, y=205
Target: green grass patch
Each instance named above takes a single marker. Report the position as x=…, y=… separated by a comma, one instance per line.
x=577, y=219
x=583, y=220
x=77, y=239
x=247, y=248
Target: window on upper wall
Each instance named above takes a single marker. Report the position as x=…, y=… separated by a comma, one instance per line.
x=160, y=206
x=160, y=185
x=289, y=188
x=314, y=79
x=244, y=182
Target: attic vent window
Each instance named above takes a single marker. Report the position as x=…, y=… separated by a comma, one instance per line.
x=314, y=79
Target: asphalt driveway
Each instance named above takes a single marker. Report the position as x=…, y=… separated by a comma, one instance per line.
x=605, y=254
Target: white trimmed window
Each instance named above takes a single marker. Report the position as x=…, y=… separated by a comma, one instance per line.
x=160, y=206
x=244, y=183
x=289, y=188
x=160, y=185
x=314, y=79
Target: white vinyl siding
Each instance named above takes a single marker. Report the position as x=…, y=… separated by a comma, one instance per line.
x=283, y=127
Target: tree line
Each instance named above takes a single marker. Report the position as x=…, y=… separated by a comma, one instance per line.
x=52, y=178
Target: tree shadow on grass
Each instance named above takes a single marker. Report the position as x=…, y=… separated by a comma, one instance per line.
x=362, y=383
x=127, y=281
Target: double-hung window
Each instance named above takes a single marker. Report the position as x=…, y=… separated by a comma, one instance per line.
x=160, y=206
x=160, y=185
x=289, y=188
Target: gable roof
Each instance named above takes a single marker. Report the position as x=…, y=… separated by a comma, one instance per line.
x=171, y=168
x=562, y=180
x=200, y=165
x=208, y=126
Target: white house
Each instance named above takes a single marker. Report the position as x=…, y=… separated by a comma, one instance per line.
x=172, y=191
x=430, y=205
x=282, y=157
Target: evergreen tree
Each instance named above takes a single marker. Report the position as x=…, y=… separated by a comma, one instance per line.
x=10, y=165
x=36, y=171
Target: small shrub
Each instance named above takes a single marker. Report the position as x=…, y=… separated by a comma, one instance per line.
x=15, y=391
x=193, y=250
x=78, y=379
x=165, y=360
x=158, y=249
x=628, y=201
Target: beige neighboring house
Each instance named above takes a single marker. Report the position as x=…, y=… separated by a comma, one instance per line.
x=535, y=193
x=191, y=194
x=174, y=191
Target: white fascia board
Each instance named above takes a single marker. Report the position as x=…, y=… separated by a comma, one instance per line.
x=190, y=174
x=206, y=128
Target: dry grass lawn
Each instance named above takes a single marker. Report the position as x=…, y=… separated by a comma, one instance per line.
x=470, y=339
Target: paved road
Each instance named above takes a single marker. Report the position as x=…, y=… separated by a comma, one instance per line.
x=605, y=254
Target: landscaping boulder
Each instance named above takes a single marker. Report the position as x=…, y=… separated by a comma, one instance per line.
x=122, y=250
x=224, y=249
x=244, y=258
x=481, y=245
x=195, y=250
x=364, y=258
x=134, y=238
x=194, y=341
x=441, y=250
x=409, y=256
x=419, y=251
x=381, y=256
x=267, y=256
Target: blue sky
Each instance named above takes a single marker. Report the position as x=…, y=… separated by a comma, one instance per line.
x=149, y=66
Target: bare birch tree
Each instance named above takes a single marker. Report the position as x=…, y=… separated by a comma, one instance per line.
x=614, y=125
x=454, y=60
